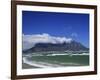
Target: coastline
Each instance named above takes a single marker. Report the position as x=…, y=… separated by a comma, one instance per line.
x=38, y=64
x=29, y=64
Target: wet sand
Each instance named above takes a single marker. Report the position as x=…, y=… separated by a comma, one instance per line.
x=26, y=66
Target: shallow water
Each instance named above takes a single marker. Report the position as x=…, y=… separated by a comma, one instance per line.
x=43, y=61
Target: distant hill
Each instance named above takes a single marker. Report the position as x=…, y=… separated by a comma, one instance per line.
x=43, y=47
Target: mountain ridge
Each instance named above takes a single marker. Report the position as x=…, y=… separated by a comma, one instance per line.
x=45, y=47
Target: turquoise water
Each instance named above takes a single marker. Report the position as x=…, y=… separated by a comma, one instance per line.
x=65, y=60
x=55, y=60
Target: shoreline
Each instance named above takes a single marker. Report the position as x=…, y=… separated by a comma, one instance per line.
x=33, y=64
x=26, y=66
x=38, y=64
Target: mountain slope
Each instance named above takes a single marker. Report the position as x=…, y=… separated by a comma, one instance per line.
x=43, y=47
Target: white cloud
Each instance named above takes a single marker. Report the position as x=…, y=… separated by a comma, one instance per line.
x=30, y=40
x=74, y=34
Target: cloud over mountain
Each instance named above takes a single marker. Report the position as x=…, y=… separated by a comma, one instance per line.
x=30, y=40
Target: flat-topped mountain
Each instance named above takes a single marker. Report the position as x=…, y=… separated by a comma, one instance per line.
x=43, y=47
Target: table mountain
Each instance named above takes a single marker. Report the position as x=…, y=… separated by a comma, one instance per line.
x=43, y=47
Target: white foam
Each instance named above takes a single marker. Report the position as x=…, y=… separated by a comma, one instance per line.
x=39, y=64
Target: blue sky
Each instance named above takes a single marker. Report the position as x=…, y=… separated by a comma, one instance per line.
x=71, y=25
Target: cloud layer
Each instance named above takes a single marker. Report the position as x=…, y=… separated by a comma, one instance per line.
x=74, y=35
x=30, y=40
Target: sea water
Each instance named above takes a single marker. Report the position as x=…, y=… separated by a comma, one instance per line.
x=56, y=60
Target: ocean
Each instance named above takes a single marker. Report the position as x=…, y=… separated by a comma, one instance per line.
x=55, y=60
